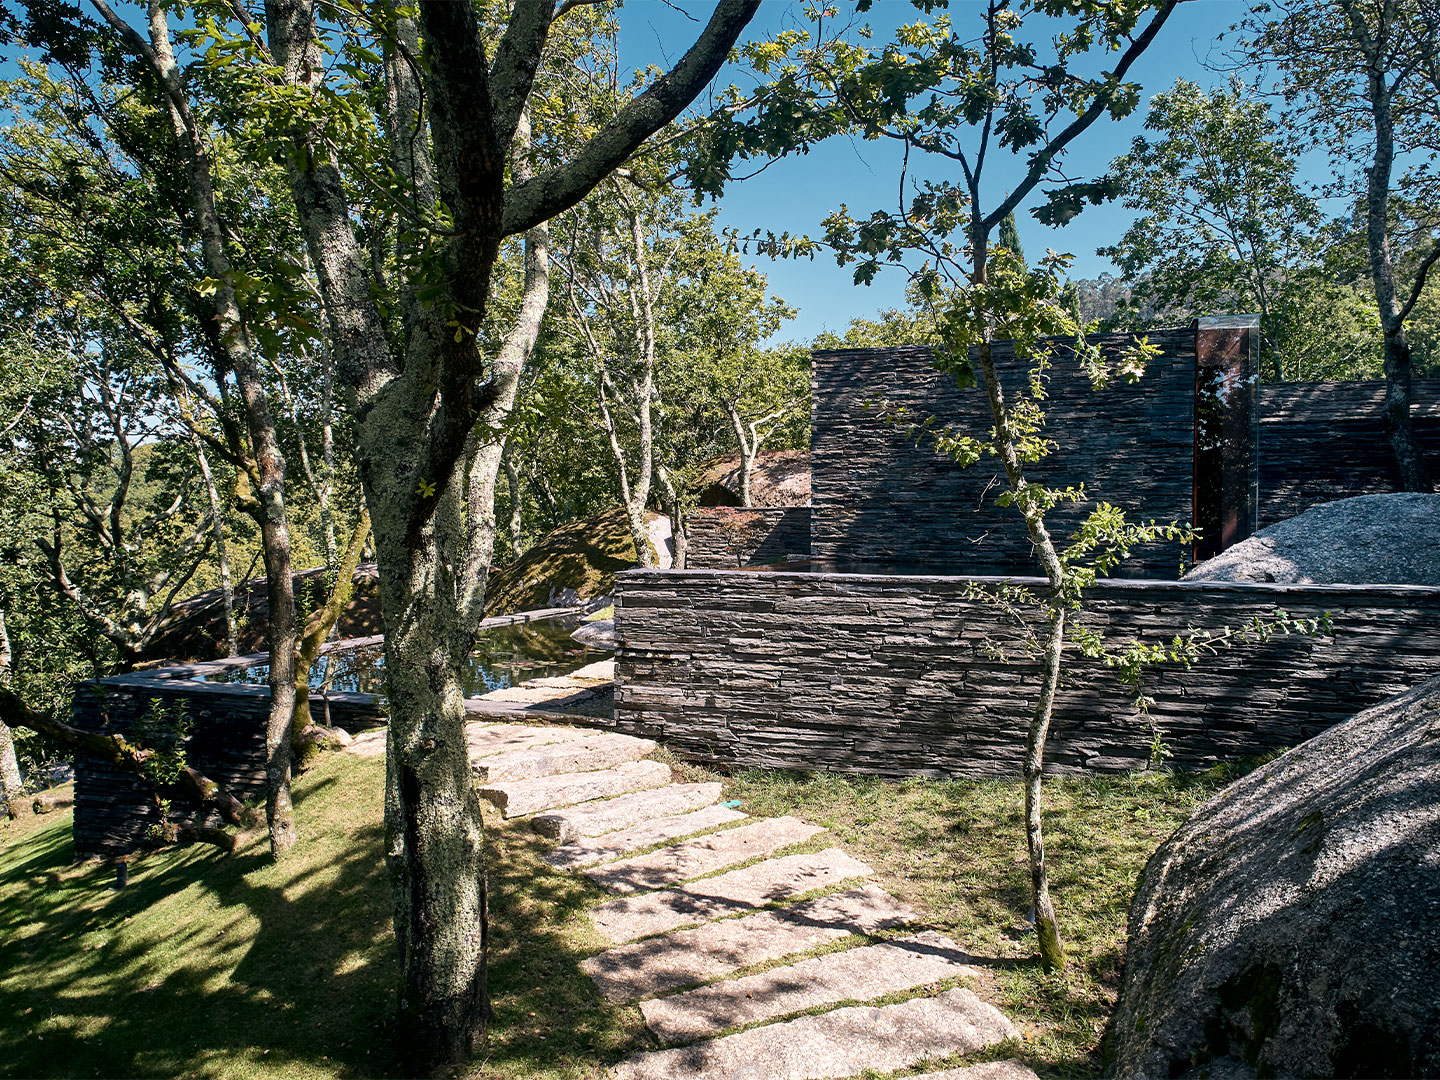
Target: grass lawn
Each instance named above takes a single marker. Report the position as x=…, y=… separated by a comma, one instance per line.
x=233, y=967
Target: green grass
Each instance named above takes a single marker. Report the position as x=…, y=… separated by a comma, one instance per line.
x=955, y=849
x=216, y=966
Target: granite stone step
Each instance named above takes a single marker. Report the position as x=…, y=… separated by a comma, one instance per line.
x=593, y=751
x=518, y=797
x=862, y=974
x=986, y=1070
x=750, y=887
x=598, y=818
x=702, y=855
x=687, y=957
x=599, y=849
x=834, y=1044
x=486, y=740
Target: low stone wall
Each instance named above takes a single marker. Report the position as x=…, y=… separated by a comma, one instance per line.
x=727, y=537
x=897, y=676
x=114, y=811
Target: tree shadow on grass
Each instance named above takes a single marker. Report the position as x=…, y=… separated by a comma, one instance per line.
x=549, y=1015
x=204, y=965
x=222, y=967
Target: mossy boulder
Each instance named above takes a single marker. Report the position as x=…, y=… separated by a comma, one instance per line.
x=579, y=559
x=1291, y=926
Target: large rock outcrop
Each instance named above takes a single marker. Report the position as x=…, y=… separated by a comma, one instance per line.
x=1291, y=926
x=1369, y=540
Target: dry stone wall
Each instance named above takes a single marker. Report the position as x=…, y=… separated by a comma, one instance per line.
x=880, y=497
x=114, y=811
x=1325, y=441
x=901, y=676
x=725, y=537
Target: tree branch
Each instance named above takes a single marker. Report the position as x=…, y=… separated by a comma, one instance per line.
x=529, y=203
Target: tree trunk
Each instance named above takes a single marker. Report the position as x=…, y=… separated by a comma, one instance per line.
x=676, y=510
x=9, y=765
x=318, y=627
x=748, y=452
x=1047, y=926
x=434, y=839
x=512, y=479
x=268, y=477
x=1414, y=473
x=222, y=556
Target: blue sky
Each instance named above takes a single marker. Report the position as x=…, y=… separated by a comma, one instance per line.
x=796, y=193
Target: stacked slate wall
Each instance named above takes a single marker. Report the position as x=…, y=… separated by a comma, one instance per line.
x=881, y=497
x=901, y=676
x=114, y=811
x=726, y=537
x=1325, y=441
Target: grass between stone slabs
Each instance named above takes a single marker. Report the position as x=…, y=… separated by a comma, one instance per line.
x=955, y=851
x=230, y=966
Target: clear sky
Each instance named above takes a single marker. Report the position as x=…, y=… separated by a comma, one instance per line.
x=796, y=193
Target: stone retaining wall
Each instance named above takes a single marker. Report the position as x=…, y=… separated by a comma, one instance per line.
x=896, y=676
x=1325, y=441
x=114, y=811
x=728, y=537
x=881, y=497
x=884, y=498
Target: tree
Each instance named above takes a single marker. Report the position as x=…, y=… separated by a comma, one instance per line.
x=1223, y=224
x=430, y=401
x=87, y=168
x=726, y=312
x=618, y=261
x=1363, y=79
x=1013, y=84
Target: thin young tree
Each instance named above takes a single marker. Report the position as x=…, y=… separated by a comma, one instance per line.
x=1013, y=81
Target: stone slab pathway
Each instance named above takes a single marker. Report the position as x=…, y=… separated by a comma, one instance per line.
x=738, y=891
x=589, y=752
x=703, y=855
x=835, y=1044
x=862, y=974
x=519, y=797
x=612, y=845
x=986, y=1070
x=595, y=819
x=687, y=957
x=716, y=898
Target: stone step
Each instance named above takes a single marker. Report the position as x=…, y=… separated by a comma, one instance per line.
x=519, y=797
x=688, y=957
x=598, y=818
x=862, y=974
x=986, y=1070
x=486, y=740
x=702, y=855
x=594, y=751
x=598, y=849
x=835, y=1044
x=750, y=887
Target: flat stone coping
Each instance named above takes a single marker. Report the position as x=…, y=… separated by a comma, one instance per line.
x=842, y=1043
x=1139, y=585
